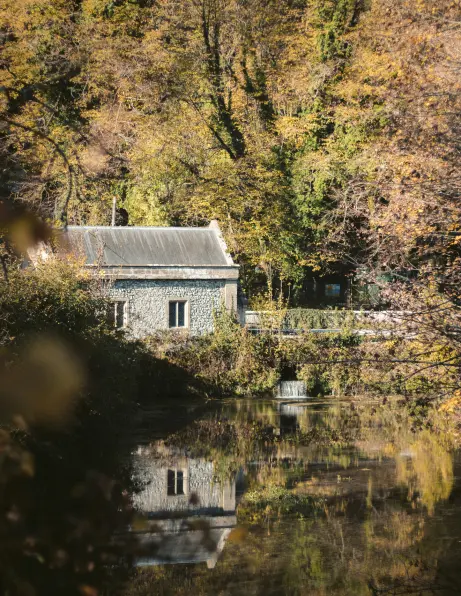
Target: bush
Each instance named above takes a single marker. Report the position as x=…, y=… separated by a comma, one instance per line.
x=233, y=361
x=68, y=384
x=310, y=318
x=230, y=361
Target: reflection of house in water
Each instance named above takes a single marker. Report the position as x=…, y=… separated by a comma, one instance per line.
x=190, y=513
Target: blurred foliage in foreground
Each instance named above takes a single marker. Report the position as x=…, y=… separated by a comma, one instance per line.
x=66, y=382
x=69, y=385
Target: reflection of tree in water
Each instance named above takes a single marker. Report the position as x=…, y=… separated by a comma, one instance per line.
x=330, y=555
x=368, y=518
x=427, y=471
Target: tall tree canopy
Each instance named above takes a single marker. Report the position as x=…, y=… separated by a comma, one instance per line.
x=317, y=132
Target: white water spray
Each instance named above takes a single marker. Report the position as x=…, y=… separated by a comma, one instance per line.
x=292, y=389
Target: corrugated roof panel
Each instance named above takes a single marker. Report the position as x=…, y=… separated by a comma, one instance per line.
x=143, y=246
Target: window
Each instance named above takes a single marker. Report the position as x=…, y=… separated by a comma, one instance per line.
x=333, y=290
x=118, y=314
x=175, y=480
x=177, y=314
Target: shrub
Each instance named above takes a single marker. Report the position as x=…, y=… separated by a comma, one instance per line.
x=230, y=361
x=68, y=384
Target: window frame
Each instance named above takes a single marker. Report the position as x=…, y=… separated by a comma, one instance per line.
x=185, y=301
x=115, y=305
x=173, y=492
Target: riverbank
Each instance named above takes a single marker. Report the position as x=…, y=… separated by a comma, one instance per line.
x=234, y=361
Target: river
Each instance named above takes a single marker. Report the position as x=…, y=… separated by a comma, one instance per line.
x=273, y=497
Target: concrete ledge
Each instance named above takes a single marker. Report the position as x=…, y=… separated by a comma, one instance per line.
x=167, y=273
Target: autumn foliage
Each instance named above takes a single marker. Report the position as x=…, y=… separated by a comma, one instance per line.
x=318, y=133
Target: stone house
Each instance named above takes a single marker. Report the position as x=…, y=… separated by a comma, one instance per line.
x=158, y=278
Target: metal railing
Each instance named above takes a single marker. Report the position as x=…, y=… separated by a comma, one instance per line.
x=296, y=321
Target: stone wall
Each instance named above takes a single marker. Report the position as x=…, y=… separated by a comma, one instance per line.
x=147, y=303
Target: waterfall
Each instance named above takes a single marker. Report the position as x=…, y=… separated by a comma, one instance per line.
x=292, y=389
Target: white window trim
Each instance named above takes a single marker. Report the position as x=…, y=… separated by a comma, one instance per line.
x=186, y=312
x=117, y=301
x=185, y=481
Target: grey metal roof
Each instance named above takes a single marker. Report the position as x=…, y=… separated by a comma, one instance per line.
x=146, y=246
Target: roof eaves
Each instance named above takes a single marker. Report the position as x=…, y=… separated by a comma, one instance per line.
x=135, y=228
x=162, y=266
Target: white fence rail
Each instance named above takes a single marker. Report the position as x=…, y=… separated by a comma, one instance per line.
x=321, y=321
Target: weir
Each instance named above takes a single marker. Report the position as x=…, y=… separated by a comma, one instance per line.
x=291, y=389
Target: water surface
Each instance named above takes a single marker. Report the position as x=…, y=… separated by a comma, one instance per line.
x=286, y=497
